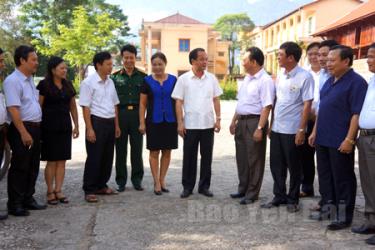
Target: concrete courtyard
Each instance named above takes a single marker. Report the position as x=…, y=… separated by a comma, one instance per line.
x=142, y=220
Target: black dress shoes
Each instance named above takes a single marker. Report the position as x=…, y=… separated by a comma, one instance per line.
x=364, y=229
x=237, y=195
x=292, y=208
x=35, y=206
x=245, y=201
x=18, y=211
x=186, y=193
x=338, y=225
x=272, y=204
x=319, y=216
x=3, y=216
x=206, y=192
x=121, y=188
x=371, y=240
x=138, y=188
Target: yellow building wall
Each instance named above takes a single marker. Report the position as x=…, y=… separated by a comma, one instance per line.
x=170, y=46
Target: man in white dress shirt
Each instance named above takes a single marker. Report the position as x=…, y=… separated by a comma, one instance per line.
x=366, y=152
x=197, y=95
x=308, y=152
x=99, y=100
x=250, y=125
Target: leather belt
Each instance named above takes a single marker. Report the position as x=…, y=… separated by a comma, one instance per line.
x=102, y=119
x=245, y=117
x=366, y=132
x=130, y=106
x=31, y=124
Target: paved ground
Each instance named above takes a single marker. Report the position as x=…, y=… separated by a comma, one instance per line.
x=141, y=220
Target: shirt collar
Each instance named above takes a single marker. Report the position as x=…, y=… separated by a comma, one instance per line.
x=291, y=73
x=257, y=75
x=21, y=76
x=193, y=76
x=98, y=79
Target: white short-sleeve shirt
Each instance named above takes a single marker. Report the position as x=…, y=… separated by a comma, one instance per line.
x=292, y=90
x=197, y=94
x=256, y=92
x=98, y=95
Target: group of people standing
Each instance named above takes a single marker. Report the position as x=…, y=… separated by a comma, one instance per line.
x=316, y=110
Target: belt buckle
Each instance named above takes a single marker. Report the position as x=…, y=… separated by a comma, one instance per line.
x=130, y=107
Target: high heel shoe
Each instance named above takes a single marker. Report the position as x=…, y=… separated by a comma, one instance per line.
x=53, y=201
x=157, y=192
x=62, y=199
x=164, y=190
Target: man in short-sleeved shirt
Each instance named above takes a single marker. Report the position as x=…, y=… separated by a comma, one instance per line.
x=24, y=132
x=366, y=149
x=197, y=96
x=250, y=125
x=99, y=101
x=294, y=95
x=341, y=100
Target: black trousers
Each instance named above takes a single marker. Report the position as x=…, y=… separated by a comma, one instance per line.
x=204, y=138
x=337, y=181
x=308, y=162
x=24, y=166
x=98, y=166
x=284, y=156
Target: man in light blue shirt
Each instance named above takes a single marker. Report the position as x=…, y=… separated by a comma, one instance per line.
x=366, y=148
x=24, y=132
x=294, y=95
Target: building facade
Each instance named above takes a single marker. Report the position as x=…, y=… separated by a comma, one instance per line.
x=176, y=36
x=298, y=26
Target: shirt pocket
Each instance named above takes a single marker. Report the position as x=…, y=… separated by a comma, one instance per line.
x=294, y=92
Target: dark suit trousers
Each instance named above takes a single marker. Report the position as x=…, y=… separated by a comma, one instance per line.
x=250, y=157
x=24, y=166
x=308, y=162
x=366, y=158
x=284, y=156
x=98, y=166
x=337, y=181
x=204, y=139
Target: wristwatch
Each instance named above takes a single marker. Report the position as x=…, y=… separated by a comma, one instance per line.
x=301, y=130
x=259, y=127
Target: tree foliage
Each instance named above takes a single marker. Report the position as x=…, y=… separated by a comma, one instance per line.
x=78, y=42
x=37, y=13
x=230, y=26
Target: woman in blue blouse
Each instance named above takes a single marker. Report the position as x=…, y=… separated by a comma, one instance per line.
x=160, y=125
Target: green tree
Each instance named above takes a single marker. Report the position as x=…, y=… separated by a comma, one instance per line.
x=78, y=42
x=36, y=14
x=230, y=26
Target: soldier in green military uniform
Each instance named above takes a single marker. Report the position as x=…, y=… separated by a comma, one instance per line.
x=128, y=82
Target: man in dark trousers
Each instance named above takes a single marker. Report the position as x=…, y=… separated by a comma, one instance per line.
x=294, y=95
x=128, y=82
x=334, y=135
x=24, y=132
x=197, y=95
x=99, y=101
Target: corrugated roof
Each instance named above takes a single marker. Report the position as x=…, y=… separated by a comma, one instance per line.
x=362, y=11
x=178, y=19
